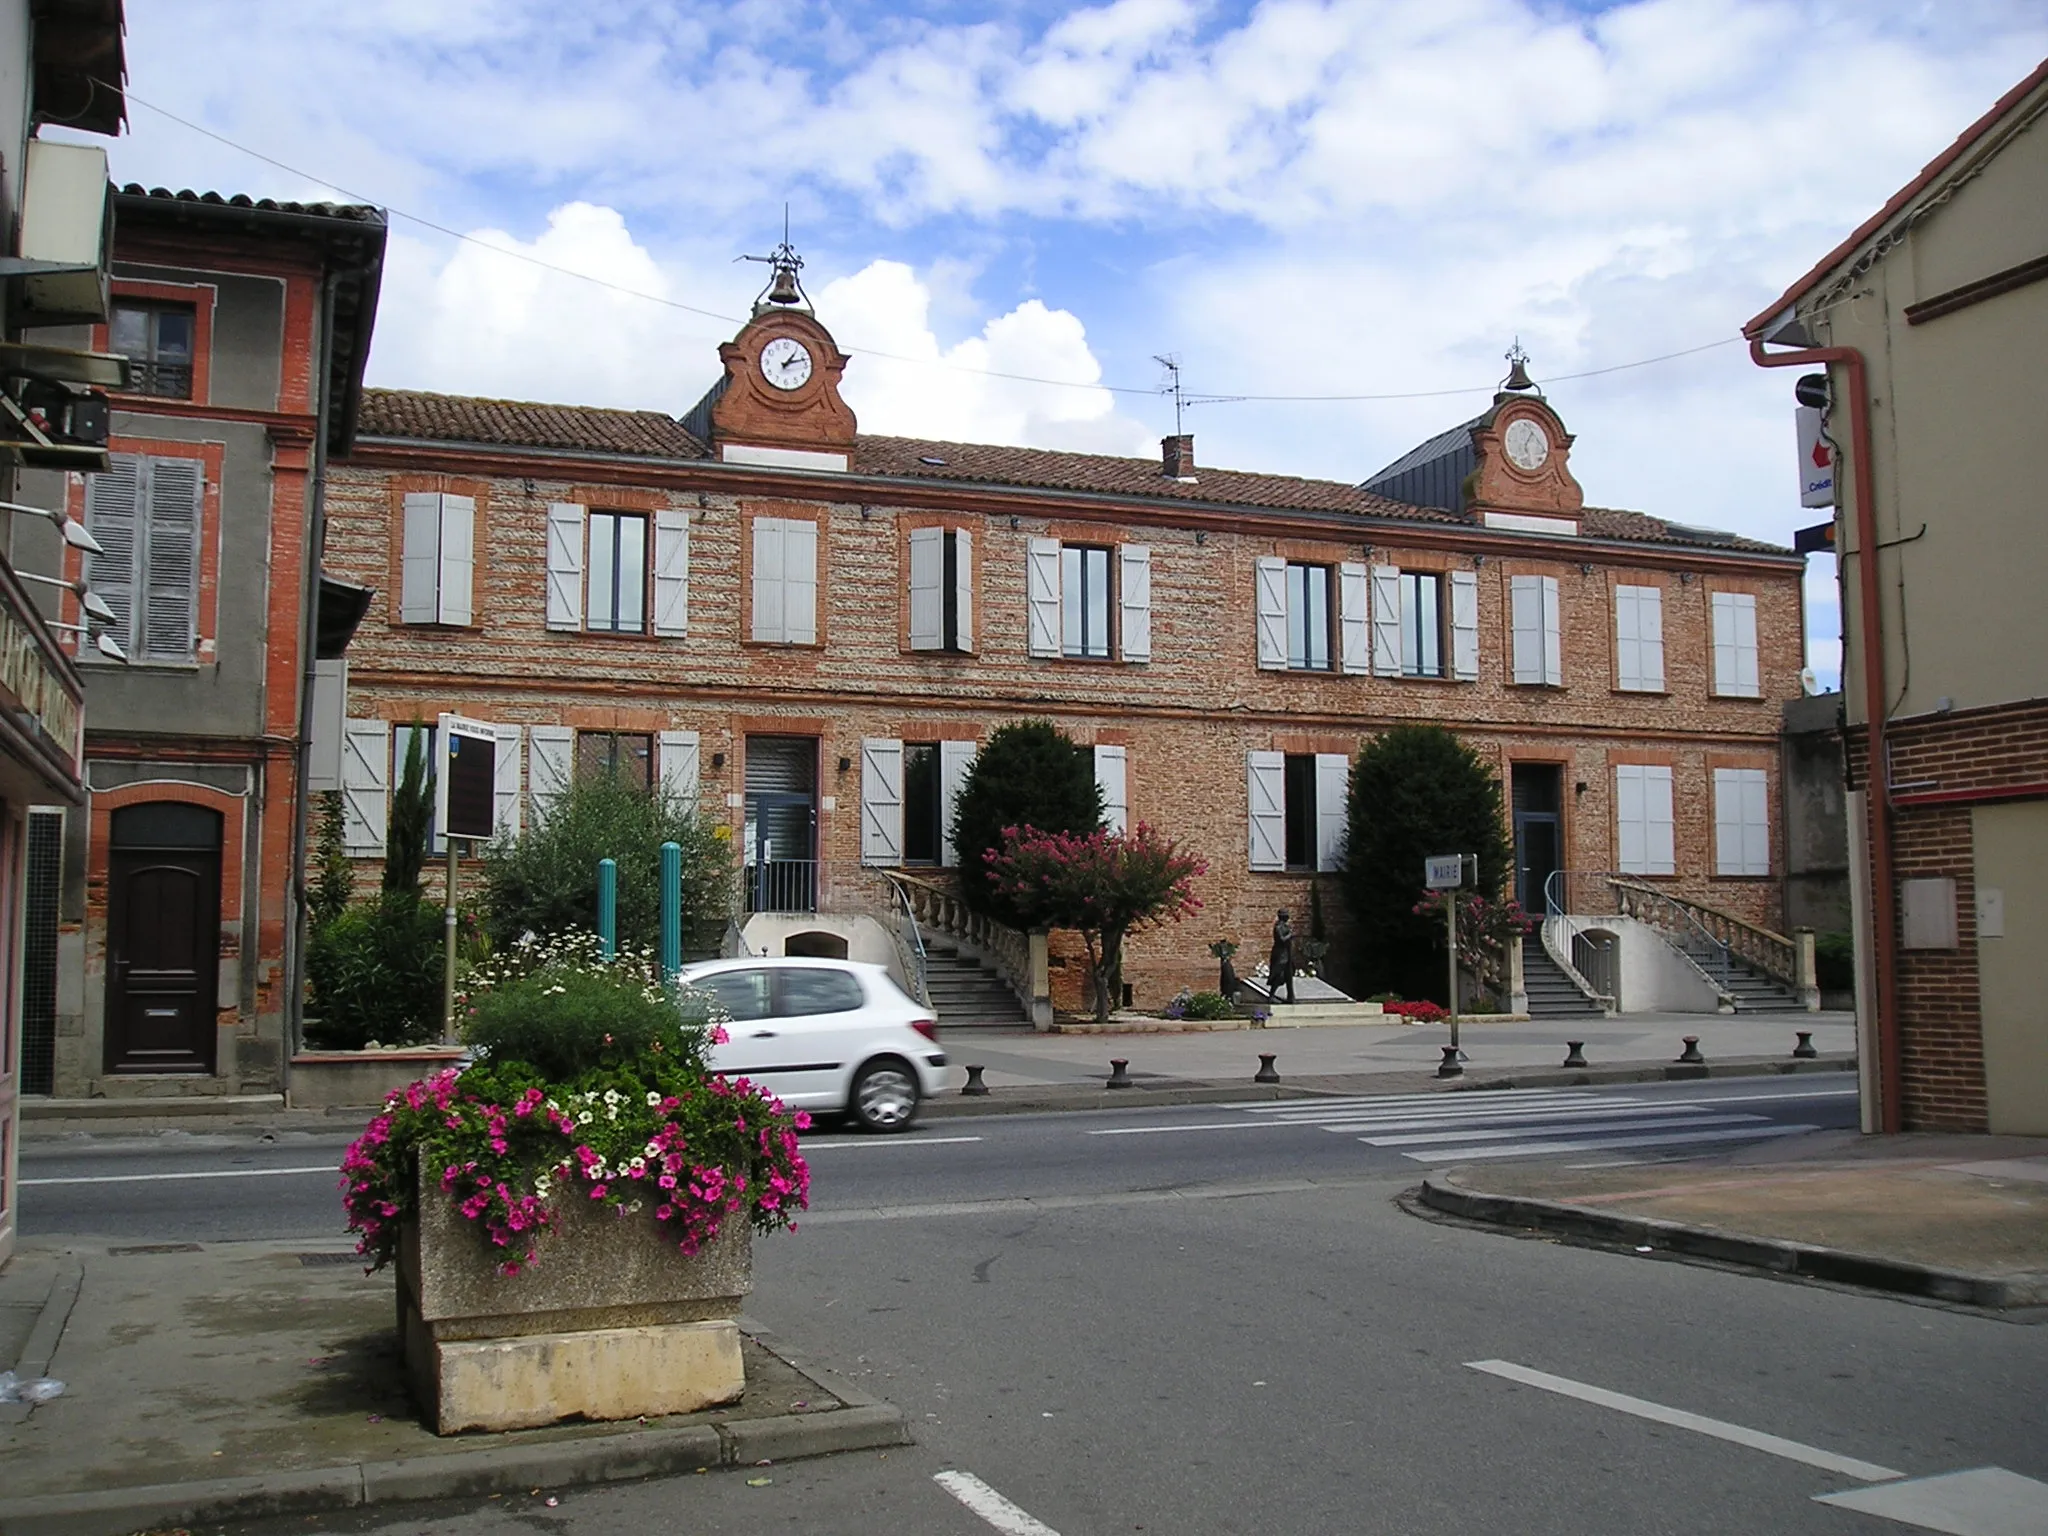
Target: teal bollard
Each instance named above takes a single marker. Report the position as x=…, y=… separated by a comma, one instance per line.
x=671, y=910
x=608, y=908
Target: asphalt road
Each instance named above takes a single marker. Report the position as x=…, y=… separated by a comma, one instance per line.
x=1236, y=1330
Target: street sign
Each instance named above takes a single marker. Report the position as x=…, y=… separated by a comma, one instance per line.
x=465, y=790
x=1443, y=873
x=1816, y=460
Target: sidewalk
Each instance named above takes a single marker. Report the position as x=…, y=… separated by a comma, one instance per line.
x=234, y=1380
x=1950, y=1217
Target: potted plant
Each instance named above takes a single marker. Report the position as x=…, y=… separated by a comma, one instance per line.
x=571, y=1217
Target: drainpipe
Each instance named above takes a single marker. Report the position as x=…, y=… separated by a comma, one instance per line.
x=1883, y=887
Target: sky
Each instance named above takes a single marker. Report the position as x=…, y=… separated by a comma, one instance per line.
x=1289, y=197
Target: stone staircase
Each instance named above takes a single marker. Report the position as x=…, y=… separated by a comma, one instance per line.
x=965, y=994
x=1552, y=994
x=1752, y=990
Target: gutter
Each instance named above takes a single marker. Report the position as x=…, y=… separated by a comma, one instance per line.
x=1870, y=638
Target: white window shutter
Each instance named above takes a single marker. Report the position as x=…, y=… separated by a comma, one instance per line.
x=956, y=760
x=565, y=567
x=1742, y=823
x=1354, y=626
x=1756, y=823
x=1628, y=652
x=550, y=764
x=1266, y=808
x=1659, y=837
x=1629, y=854
x=457, y=576
x=1553, y=634
x=365, y=784
x=1386, y=620
x=1465, y=626
x=678, y=765
x=800, y=582
x=1333, y=808
x=324, y=738
x=1134, y=592
x=671, y=572
x=1269, y=575
x=170, y=610
x=419, y=600
x=963, y=589
x=505, y=797
x=881, y=802
x=1042, y=596
x=1727, y=822
x=927, y=589
x=1650, y=636
x=1111, y=764
x=769, y=624
x=112, y=513
x=1525, y=604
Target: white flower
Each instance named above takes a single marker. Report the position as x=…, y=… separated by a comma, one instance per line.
x=611, y=1095
x=652, y=1149
x=638, y=1162
x=653, y=1099
x=584, y=1118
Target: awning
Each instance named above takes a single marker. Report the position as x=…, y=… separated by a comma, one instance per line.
x=342, y=606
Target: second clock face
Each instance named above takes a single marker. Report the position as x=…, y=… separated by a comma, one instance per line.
x=1528, y=445
x=786, y=363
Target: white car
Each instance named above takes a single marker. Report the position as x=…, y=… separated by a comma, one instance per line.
x=829, y=1036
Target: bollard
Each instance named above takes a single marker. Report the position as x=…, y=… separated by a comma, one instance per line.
x=608, y=908
x=671, y=910
x=1575, y=1053
x=1691, y=1054
x=1266, y=1074
x=1449, y=1067
x=1804, y=1048
x=976, y=1088
x=1119, y=1075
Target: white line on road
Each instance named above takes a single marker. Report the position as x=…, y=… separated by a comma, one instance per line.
x=1226, y=1125
x=1442, y=1136
x=1678, y=1418
x=1442, y=1154
x=990, y=1505
x=888, y=1141
x=1375, y=1101
x=212, y=1173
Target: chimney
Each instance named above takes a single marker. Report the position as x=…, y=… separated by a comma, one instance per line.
x=1177, y=456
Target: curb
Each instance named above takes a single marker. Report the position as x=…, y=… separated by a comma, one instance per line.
x=1778, y=1255
x=864, y=1423
x=160, y=1107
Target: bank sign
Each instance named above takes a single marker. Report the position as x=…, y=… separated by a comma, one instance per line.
x=1816, y=461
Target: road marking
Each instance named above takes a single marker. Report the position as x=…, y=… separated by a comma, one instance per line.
x=1467, y=1099
x=1443, y=1154
x=1441, y=1136
x=1678, y=1418
x=1984, y=1501
x=990, y=1505
x=1669, y=1115
x=888, y=1141
x=152, y=1178
x=1029, y=1204
x=1232, y=1125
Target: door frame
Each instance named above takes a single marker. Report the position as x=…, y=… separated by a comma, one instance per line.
x=1519, y=819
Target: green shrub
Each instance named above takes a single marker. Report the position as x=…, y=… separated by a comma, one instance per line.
x=412, y=810
x=563, y=1021
x=1210, y=1005
x=375, y=973
x=1834, y=962
x=1029, y=774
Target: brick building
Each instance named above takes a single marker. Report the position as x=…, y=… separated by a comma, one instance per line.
x=807, y=630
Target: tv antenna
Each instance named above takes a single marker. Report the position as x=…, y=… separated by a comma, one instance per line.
x=1183, y=402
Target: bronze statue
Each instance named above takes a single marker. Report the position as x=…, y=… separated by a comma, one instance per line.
x=1280, y=963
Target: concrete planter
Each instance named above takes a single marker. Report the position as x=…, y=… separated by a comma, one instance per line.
x=611, y=1323
x=361, y=1079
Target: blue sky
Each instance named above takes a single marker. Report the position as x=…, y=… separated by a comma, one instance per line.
x=1295, y=197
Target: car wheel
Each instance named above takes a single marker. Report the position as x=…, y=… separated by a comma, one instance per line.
x=884, y=1096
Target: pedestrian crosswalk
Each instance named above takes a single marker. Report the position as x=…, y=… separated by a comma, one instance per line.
x=1468, y=1127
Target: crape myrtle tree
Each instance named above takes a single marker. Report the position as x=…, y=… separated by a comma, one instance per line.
x=1416, y=790
x=1030, y=774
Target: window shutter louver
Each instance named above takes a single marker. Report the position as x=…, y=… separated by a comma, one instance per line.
x=927, y=589
x=565, y=566
x=956, y=760
x=1742, y=828
x=881, y=802
x=328, y=708
x=458, y=559
x=113, y=503
x=963, y=589
x=1134, y=591
x=1111, y=765
x=1386, y=620
x=1735, y=658
x=365, y=781
x=1333, y=795
x=1042, y=597
x=679, y=768
x=1269, y=575
x=671, y=572
x=1553, y=633
x=1465, y=626
x=768, y=591
x=1660, y=839
x=550, y=764
x=171, y=609
x=800, y=582
x=1756, y=823
x=1266, y=808
x=1354, y=619
x=1525, y=604
x=507, y=781
x=1628, y=655
x=1650, y=636
x=420, y=559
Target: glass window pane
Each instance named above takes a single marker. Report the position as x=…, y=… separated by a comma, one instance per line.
x=920, y=802
x=129, y=334
x=807, y=991
x=604, y=535
x=632, y=565
x=1318, y=633
x=743, y=994
x=1070, y=600
x=1096, y=585
x=174, y=335
x=1429, y=626
x=1297, y=615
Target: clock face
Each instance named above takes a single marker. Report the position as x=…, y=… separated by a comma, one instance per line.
x=1528, y=445
x=786, y=363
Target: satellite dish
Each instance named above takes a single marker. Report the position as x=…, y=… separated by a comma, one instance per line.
x=1809, y=684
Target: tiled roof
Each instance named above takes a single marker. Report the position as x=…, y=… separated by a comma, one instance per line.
x=361, y=212
x=523, y=424
x=1641, y=528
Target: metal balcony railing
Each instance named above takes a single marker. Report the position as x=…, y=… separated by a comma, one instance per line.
x=780, y=885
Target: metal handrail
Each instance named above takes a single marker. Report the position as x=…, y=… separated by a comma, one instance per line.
x=1646, y=904
x=915, y=959
x=1770, y=952
x=940, y=910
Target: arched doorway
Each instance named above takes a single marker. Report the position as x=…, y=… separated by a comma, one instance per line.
x=816, y=945
x=163, y=937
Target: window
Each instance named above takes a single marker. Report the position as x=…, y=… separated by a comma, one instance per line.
x=1538, y=645
x=941, y=589
x=806, y=991
x=157, y=340
x=1639, y=639
x=625, y=755
x=1308, y=617
x=908, y=791
x=921, y=832
x=1735, y=674
x=617, y=593
x=742, y=994
x=1112, y=770
x=401, y=745
x=1422, y=624
x=1084, y=600
x=785, y=581
x=145, y=512
x=1742, y=822
x=1297, y=808
x=439, y=561
x=1642, y=818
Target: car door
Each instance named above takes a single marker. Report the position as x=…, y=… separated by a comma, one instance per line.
x=820, y=1018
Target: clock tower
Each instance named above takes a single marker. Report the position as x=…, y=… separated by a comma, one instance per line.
x=1521, y=452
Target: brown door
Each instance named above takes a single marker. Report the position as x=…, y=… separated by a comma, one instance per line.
x=163, y=952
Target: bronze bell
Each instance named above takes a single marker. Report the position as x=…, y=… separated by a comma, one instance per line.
x=1518, y=380
x=783, y=289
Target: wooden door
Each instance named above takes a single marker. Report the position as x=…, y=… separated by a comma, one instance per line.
x=163, y=958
